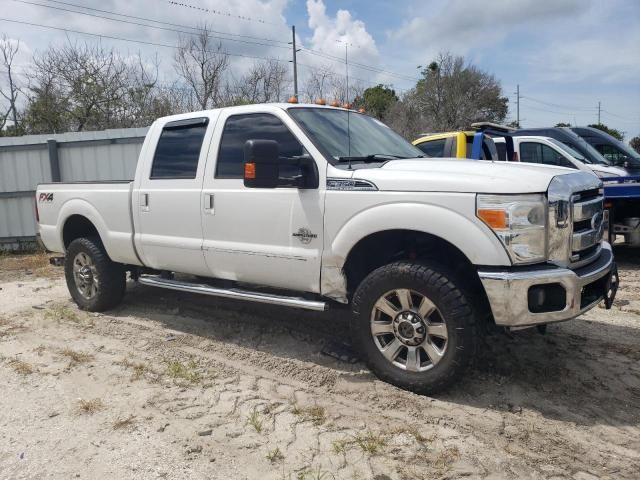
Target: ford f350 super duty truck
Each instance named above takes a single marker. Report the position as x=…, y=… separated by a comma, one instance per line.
x=310, y=206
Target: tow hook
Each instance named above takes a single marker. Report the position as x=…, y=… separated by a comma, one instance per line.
x=56, y=261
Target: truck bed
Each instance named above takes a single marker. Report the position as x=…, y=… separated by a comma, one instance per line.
x=106, y=204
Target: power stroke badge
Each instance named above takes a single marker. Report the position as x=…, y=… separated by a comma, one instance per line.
x=305, y=235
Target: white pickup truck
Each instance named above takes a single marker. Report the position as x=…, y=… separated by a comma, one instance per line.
x=310, y=206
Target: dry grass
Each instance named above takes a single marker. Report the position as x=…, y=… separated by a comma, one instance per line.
x=36, y=263
x=21, y=367
x=76, y=357
x=183, y=371
x=414, y=432
x=255, y=420
x=315, y=414
x=139, y=369
x=275, y=455
x=89, y=407
x=122, y=423
x=62, y=312
x=369, y=442
x=445, y=458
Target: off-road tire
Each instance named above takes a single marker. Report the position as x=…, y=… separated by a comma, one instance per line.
x=456, y=310
x=111, y=276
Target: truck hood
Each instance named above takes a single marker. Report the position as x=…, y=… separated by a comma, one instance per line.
x=455, y=175
x=609, y=170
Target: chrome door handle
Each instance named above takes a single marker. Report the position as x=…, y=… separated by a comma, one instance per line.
x=208, y=203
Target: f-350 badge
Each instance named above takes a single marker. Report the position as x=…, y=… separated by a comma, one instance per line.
x=305, y=236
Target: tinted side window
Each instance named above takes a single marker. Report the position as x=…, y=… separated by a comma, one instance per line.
x=530, y=152
x=502, y=151
x=433, y=148
x=611, y=153
x=253, y=126
x=178, y=149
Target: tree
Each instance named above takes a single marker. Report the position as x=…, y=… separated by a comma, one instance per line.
x=376, y=100
x=318, y=83
x=405, y=117
x=267, y=81
x=514, y=124
x=611, y=131
x=451, y=94
x=563, y=124
x=635, y=143
x=8, y=51
x=87, y=87
x=202, y=65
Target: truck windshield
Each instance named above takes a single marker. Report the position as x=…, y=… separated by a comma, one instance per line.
x=574, y=153
x=344, y=136
x=593, y=155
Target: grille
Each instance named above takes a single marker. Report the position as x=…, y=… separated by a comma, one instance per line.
x=587, y=226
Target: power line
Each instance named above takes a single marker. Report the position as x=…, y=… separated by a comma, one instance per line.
x=307, y=50
x=557, y=105
x=618, y=116
x=166, y=23
x=146, y=25
x=143, y=42
x=219, y=12
x=360, y=65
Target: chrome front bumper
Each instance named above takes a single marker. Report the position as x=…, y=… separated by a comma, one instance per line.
x=508, y=291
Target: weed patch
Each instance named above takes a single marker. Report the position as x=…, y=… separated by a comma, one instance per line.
x=89, y=407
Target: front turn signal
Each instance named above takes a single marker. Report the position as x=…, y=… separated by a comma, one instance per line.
x=496, y=219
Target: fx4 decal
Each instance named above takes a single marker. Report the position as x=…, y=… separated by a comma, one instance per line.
x=45, y=197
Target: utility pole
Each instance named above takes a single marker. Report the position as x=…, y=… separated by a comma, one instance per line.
x=518, y=105
x=598, y=113
x=295, y=63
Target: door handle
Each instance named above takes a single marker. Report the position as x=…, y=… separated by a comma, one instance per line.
x=208, y=203
x=144, y=202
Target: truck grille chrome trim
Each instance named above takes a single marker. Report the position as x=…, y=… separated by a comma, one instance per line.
x=575, y=219
x=233, y=293
x=586, y=210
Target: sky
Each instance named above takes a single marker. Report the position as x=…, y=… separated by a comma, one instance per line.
x=565, y=55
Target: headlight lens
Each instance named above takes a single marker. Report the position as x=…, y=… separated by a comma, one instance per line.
x=519, y=221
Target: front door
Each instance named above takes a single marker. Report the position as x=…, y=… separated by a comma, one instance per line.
x=167, y=196
x=255, y=235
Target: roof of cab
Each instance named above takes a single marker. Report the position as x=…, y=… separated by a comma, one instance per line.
x=440, y=136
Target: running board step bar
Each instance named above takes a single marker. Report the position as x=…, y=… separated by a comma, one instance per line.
x=234, y=293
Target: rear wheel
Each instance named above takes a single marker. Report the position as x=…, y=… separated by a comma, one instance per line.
x=94, y=281
x=414, y=327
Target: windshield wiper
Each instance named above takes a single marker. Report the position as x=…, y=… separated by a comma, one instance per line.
x=373, y=157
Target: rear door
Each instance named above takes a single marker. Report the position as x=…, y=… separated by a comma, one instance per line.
x=167, y=195
x=270, y=236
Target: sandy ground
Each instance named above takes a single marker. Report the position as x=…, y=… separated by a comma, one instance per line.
x=173, y=385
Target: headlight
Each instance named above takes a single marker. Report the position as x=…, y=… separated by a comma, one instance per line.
x=519, y=221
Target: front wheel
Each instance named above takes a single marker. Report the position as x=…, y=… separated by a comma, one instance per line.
x=95, y=282
x=414, y=327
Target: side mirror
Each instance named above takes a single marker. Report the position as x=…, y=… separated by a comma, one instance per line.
x=261, y=164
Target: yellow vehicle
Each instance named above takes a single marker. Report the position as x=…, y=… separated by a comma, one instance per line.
x=457, y=145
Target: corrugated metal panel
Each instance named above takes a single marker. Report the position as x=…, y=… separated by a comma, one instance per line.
x=83, y=156
x=17, y=217
x=89, y=162
x=23, y=169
